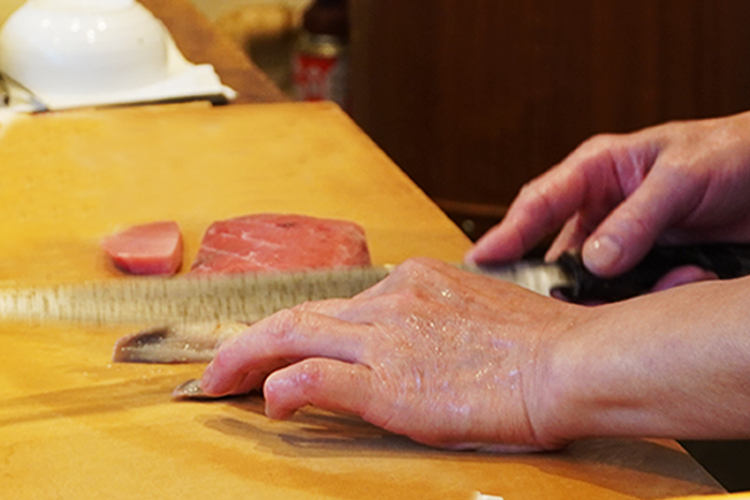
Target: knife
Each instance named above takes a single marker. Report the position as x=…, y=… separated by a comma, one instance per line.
x=250, y=297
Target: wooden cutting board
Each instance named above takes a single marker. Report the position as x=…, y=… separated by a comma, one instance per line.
x=75, y=425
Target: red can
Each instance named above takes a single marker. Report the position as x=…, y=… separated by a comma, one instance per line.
x=321, y=69
x=320, y=64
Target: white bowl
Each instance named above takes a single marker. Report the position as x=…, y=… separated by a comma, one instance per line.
x=79, y=47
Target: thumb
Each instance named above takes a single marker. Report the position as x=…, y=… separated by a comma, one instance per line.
x=631, y=230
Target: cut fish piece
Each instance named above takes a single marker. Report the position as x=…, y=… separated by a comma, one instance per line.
x=254, y=243
x=147, y=249
x=193, y=343
x=266, y=242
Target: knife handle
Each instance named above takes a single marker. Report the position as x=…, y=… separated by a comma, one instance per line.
x=726, y=260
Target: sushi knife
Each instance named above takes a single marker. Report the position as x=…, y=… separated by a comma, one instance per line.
x=250, y=297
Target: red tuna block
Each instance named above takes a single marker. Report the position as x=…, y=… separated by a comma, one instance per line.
x=266, y=242
x=154, y=248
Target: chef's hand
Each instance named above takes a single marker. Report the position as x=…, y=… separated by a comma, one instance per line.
x=463, y=361
x=447, y=358
x=618, y=195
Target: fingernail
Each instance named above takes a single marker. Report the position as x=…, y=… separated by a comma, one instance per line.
x=603, y=253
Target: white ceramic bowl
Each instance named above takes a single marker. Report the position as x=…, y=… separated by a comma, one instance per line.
x=83, y=46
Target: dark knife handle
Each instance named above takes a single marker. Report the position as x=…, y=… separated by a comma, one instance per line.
x=726, y=260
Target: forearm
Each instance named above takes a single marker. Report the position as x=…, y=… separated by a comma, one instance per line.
x=673, y=364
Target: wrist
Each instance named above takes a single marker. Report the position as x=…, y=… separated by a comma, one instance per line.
x=603, y=377
x=560, y=412
x=672, y=365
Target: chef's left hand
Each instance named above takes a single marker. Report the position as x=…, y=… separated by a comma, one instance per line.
x=447, y=358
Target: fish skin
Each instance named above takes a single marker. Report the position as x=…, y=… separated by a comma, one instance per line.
x=190, y=390
x=192, y=343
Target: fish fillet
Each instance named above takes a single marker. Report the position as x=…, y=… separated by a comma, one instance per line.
x=272, y=242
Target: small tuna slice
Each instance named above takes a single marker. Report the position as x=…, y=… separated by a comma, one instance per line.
x=272, y=242
x=149, y=249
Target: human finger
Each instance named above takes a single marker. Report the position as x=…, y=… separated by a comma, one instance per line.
x=572, y=236
x=251, y=381
x=277, y=341
x=586, y=180
x=325, y=383
x=534, y=214
x=683, y=276
x=632, y=228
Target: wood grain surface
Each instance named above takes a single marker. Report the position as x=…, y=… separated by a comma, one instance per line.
x=75, y=425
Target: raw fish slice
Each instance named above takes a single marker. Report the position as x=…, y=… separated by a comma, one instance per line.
x=149, y=249
x=267, y=242
x=193, y=343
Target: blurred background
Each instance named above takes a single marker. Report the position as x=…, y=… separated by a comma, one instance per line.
x=473, y=98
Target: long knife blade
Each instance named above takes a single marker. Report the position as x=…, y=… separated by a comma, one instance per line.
x=239, y=297
x=251, y=297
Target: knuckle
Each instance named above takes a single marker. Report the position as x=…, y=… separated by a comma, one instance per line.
x=309, y=377
x=286, y=318
x=415, y=273
x=530, y=189
x=409, y=266
x=598, y=150
x=598, y=142
x=284, y=324
x=632, y=224
x=420, y=266
x=537, y=191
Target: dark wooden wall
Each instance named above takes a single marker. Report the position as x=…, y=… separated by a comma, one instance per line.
x=472, y=98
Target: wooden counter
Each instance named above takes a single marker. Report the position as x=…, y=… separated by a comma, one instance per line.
x=75, y=425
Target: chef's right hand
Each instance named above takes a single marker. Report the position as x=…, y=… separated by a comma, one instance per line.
x=617, y=195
